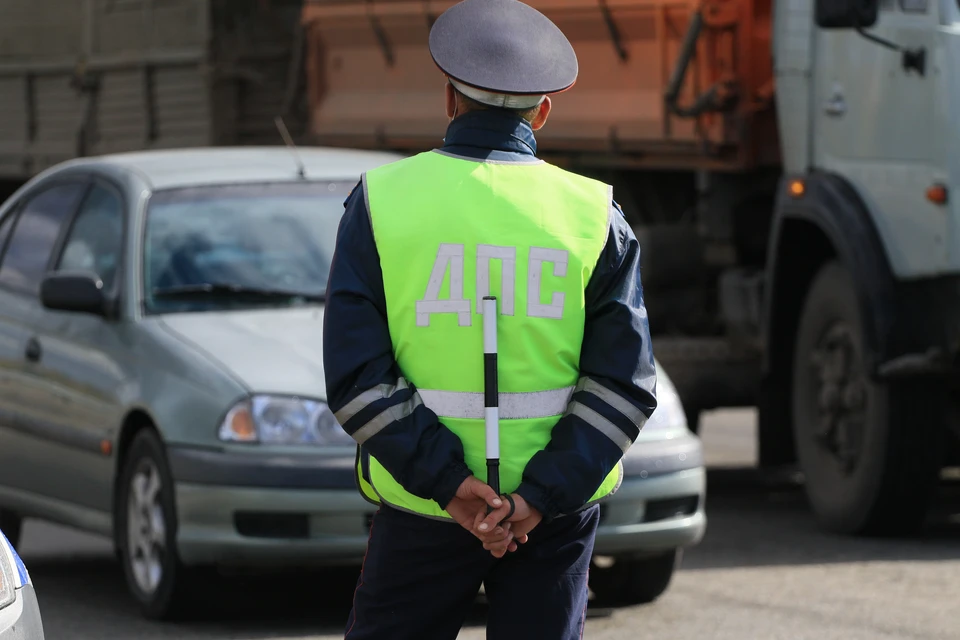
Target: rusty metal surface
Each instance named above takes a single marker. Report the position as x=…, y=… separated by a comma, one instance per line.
x=372, y=82
x=83, y=77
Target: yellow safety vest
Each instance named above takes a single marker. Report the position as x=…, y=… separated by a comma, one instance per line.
x=450, y=230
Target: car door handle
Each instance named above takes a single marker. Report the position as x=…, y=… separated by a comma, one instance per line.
x=33, y=351
x=835, y=106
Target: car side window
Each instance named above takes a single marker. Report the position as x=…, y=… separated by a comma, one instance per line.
x=35, y=234
x=95, y=240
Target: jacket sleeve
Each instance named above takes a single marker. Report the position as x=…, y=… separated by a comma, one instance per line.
x=365, y=388
x=616, y=393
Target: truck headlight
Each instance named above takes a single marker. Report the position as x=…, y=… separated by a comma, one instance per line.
x=270, y=419
x=8, y=576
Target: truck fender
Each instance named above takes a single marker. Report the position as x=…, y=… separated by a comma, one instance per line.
x=827, y=221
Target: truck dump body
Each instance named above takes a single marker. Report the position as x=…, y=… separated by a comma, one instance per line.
x=99, y=76
x=372, y=82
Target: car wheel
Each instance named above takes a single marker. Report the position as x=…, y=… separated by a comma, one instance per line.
x=145, y=517
x=868, y=451
x=633, y=581
x=12, y=526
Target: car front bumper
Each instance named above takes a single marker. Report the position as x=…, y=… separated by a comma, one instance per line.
x=244, y=510
x=268, y=511
x=661, y=503
x=651, y=515
x=21, y=620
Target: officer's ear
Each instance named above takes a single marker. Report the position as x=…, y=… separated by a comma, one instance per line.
x=450, y=96
x=541, y=118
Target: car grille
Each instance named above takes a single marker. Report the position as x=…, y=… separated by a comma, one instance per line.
x=657, y=510
x=671, y=508
x=272, y=525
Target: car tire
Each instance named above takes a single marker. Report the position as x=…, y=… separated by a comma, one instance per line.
x=633, y=581
x=869, y=452
x=12, y=526
x=146, y=532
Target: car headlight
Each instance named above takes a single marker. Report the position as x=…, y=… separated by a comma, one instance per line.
x=8, y=576
x=669, y=413
x=282, y=420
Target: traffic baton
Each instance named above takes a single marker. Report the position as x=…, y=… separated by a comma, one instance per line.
x=491, y=397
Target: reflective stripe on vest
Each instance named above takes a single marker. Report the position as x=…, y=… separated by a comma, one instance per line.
x=512, y=406
x=448, y=231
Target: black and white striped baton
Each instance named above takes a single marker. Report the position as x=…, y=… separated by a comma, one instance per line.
x=491, y=395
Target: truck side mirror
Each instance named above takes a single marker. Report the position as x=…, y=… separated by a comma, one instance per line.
x=859, y=14
x=846, y=14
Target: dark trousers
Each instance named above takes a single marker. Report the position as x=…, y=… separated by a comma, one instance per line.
x=421, y=577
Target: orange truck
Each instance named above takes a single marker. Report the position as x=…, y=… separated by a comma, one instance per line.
x=785, y=165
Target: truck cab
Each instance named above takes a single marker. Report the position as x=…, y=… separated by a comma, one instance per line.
x=879, y=116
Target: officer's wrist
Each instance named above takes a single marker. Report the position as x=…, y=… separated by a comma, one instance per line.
x=522, y=505
x=537, y=499
x=449, y=481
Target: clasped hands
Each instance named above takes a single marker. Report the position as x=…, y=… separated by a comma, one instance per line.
x=469, y=508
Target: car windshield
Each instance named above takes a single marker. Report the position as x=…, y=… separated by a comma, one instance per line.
x=240, y=246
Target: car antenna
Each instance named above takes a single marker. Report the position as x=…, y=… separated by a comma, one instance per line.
x=282, y=128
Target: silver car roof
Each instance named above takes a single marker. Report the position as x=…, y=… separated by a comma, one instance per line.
x=186, y=167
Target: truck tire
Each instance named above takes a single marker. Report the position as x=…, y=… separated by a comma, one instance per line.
x=868, y=451
x=633, y=581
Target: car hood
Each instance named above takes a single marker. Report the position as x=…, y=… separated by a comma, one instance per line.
x=281, y=351
x=268, y=350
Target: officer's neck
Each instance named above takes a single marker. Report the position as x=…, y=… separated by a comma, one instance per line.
x=492, y=129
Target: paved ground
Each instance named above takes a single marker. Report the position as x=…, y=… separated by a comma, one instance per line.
x=763, y=572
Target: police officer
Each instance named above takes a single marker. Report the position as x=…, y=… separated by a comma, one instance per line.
x=422, y=241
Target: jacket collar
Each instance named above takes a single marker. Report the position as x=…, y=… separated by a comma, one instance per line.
x=493, y=129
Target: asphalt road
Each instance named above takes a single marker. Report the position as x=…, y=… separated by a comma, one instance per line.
x=762, y=572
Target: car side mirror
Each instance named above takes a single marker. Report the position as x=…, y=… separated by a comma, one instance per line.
x=77, y=291
x=846, y=14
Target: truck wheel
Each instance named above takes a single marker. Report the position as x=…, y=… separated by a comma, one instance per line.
x=868, y=451
x=12, y=525
x=633, y=581
x=145, y=521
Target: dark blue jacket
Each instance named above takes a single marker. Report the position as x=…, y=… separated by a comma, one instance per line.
x=423, y=455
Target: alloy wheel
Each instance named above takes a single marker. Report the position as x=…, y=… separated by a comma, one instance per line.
x=146, y=527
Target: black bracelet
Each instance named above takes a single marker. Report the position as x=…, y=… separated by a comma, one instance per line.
x=513, y=507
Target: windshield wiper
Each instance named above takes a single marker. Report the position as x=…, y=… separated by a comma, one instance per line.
x=218, y=289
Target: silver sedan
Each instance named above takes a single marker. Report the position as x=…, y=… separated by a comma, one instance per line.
x=161, y=377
